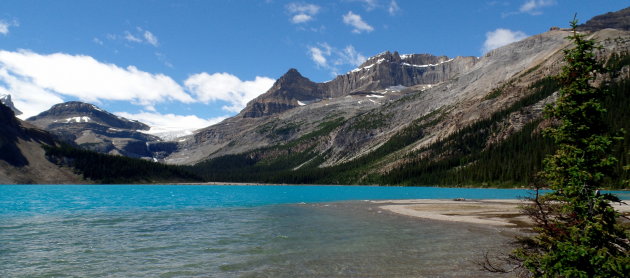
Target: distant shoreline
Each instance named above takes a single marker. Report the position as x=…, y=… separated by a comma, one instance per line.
x=377, y=185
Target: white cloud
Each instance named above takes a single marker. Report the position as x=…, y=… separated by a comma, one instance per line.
x=501, y=37
x=52, y=76
x=331, y=58
x=357, y=22
x=132, y=38
x=393, y=8
x=227, y=87
x=533, y=6
x=167, y=125
x=301, y=12
x=301, y=18
x=319, y=54
x=350, y=56
x=5, y=26
x=139, y=36
x=27, y=97
x=150, y=38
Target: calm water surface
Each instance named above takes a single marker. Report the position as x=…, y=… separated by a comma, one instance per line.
x=232, y=231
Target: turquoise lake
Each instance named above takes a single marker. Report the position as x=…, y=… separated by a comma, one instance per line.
x=234, y=231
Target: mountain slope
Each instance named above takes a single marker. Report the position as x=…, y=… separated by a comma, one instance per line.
x=450, y=129
x=373, y=112
x=92, y=128
x=22, y=158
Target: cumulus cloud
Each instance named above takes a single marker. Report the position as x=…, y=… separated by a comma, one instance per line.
x=331, y=58
x=227, y=87
x=169, y=125
x=55, y=75
x=302, y=12
x=357, y=22
x=6, y=25
x=533, y=6
x=501, y=37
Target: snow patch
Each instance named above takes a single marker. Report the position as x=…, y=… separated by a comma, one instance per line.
x=427, y=65
x=368, y=67
x=395, y=88
x=81, y=119
x=376, y=96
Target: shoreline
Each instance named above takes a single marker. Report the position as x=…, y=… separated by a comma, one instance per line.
x=503, y=213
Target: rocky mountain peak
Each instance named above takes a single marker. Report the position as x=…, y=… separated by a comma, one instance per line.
x=76, y=112
x=288, y=92
x=292, y=73
x=6, y=100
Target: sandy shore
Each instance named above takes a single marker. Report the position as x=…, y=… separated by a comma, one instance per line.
x=500, y=213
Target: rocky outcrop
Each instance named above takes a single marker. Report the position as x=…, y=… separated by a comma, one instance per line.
x=619, y=20
x=87, y=126
x=6, y=100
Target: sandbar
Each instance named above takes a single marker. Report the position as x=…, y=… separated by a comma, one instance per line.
x=492, y=212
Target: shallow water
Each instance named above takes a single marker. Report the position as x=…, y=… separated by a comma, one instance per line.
x=232, y=231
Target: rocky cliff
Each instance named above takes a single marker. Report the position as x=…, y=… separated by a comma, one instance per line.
x=6, y=100
x=383, y=71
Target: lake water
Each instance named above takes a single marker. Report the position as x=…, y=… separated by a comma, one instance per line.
x=233, y=231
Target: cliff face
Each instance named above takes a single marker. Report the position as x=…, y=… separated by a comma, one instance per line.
x=383, y=71
x=388, y=69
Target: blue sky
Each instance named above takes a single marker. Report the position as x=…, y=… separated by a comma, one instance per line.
x=186, y=64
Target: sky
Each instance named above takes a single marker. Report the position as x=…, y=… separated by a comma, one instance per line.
x=187, y=64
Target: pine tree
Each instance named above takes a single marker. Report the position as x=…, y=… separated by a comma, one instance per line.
x=577, y=234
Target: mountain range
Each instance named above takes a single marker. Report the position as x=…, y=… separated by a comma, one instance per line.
x=396, y=119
